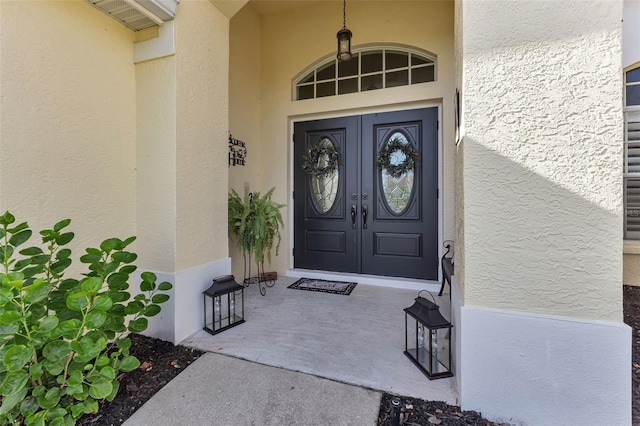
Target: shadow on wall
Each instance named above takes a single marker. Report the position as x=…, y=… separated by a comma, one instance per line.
x=537, y=255
x=535, y=246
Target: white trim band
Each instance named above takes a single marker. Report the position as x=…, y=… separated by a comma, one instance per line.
x=533, y=369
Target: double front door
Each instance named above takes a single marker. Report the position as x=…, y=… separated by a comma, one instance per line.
x=366, y=194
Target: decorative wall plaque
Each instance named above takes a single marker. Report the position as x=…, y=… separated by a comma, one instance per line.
x=237, y=152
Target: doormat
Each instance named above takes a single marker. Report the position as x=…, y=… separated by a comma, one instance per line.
x=336, y=287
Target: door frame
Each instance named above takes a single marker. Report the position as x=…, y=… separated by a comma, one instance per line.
x=374, y=279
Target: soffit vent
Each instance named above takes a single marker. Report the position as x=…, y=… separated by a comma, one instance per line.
x=138, y=14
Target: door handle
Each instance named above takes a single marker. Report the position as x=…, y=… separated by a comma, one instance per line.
x=365, y=213
x=354, y=213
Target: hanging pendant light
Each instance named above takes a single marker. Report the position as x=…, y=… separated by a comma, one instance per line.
x=344, y=37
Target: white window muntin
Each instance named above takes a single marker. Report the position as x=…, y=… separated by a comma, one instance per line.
x=306, y=81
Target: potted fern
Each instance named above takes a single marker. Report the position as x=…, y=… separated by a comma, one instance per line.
x=255, y=222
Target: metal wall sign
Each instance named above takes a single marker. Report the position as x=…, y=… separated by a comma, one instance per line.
x=237, y=152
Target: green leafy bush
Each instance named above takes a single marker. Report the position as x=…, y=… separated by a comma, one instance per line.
x=63, y=341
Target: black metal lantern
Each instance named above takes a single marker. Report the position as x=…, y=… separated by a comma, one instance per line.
x=428, y=338
x=223, y=304
x=344, y=37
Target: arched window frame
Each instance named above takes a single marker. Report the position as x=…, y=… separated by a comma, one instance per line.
x=330, y=77
x=632, y=152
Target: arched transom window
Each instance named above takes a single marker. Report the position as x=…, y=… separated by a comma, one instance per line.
x=370, y=68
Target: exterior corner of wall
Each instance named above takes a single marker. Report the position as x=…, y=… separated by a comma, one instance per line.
x=190, y=283
x=161, y=326
x=457, y=304
x=183, y=314
x=202, y=131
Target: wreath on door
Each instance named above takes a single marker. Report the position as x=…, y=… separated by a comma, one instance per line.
x=325, y=151
x=405, y=166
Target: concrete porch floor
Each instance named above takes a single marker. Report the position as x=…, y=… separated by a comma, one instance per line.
x=356, y=339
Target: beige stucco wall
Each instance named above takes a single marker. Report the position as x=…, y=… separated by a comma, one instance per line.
x=183, y=174
x=542, y=157
x=67, y=140
x=245, y=64
x=426, y=25
x=156, y=163
x=73, y=108
x=202, y=90
x=182, y=117
x=459, y=154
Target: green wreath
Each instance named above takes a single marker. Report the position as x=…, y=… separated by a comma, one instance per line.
x=312, y=159
x=407, y=165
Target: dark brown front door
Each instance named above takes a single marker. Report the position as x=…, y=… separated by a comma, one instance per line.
x=361, y=217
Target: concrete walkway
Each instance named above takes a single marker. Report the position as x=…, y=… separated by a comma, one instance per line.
x=221, y=390
x=303, y=358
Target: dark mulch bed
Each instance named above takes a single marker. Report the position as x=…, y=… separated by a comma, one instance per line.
x=631, y=308
x=162, y=361
x=418, y=412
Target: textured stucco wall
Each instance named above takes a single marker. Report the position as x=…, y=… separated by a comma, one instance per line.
x=459, y=154
x=67, y=139
x=456, y=291
x=156, y=164
x=427, y=25
x=183, y=175
x=202, y=124
x=542, y=157
x=245, y=69
x=539, y=167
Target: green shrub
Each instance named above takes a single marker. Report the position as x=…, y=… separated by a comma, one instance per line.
x=63, y=341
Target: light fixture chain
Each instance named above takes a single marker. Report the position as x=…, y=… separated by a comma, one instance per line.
x=344, y=14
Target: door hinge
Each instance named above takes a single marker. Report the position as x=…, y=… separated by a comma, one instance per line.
x=438, y=125
x=293, y=252
x=438, y=193
x=293, y=195
x=293, y=138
